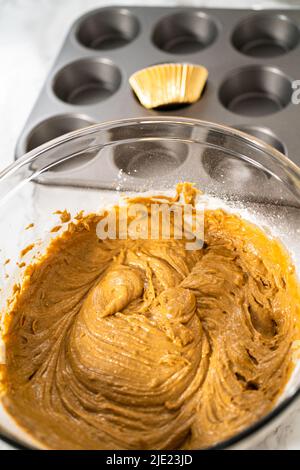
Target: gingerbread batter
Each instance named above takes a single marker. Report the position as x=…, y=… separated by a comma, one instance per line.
x=141, y=344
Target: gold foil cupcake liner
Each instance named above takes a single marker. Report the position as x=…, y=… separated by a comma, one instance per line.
x=166, y=84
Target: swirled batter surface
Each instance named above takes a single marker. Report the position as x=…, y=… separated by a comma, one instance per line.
x=141, y=344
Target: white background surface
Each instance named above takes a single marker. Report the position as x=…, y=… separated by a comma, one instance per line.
x=31, y=33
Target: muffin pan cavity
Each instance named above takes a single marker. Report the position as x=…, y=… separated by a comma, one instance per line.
x=87, y=81
x=256, y=91
x=252, y=58
x=107, y=29
x=265, y=135
x=149, y=159
x=237, y=171
x=55, y=127
x=185, y=33
x=266, y=35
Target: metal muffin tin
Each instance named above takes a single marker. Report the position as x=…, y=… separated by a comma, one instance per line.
x=252, y=58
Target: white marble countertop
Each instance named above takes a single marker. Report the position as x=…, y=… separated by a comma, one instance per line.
x=31, y=33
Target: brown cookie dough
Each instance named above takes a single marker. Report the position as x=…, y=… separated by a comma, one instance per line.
x=141, y=344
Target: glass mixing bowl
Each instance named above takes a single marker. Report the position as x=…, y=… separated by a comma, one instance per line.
x=89, y=168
